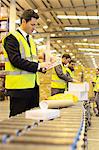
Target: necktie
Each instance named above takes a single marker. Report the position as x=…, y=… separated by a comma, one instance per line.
x=27, y=37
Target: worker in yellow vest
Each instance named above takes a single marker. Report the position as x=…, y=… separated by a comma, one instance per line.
x=95, y=89
x=97, y=95
x=21, y=65
x=70, y=69
x=94, y=81
x=60, y=77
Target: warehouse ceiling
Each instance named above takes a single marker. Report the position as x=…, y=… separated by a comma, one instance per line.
x=77, y=33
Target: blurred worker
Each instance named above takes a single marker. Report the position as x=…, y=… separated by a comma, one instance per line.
x=21, y=65
x=70, y=69
x=95, y=89
x=94, y=81
x=59, y=76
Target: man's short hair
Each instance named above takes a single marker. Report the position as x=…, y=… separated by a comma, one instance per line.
x=28, y=14
x=72, y=61
x=66, y=56
x=97, y=69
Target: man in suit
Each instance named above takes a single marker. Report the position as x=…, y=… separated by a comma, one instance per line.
x=21, y=65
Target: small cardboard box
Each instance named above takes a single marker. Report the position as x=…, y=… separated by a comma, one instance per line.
x=42, y=114
x=78, y=86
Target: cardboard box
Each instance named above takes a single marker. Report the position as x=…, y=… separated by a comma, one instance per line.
x=42, y=114
x=78, y=86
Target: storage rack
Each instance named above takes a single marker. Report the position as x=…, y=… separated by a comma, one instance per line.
x=4, y=30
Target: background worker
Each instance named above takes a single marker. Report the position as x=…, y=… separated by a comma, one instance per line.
x=94, y=81
x=95, y=89
x=59, y=76
x=97, y=96
x=21, y=64
x=70, y=69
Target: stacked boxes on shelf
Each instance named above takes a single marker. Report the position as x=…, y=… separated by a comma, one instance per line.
x=45, y=84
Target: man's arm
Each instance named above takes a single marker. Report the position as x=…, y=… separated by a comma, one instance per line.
x=11, y=46
x=61, y=75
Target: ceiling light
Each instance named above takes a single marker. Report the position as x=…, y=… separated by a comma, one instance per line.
x=93, y=54
x=41, y=47
x=60, y=34
x=77, y=17
x=77, y=61
x=52, y=35
x=71, y=54
x=53, y=51
x=88, y=49
x=58, y=55
x=85, y=40
x=76, y=28
x=63, y=46
x=67, y=50
x=45, y=27
x=58, y=41
x=87, y=44
x=49, y=20
x=38, y=40
x=36, y=10
x=94, y=62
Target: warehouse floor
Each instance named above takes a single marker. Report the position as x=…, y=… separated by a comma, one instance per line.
x=93, y=132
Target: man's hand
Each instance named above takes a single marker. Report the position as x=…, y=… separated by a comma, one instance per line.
x=41, y=57
x=45, y=65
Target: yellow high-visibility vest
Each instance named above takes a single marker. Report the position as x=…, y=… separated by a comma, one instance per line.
x=97, y=85
x=70, y=72
x=17, y=78
x=95, y=80
x=56, y=82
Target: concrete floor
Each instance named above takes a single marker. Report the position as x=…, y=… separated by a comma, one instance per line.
x=93, y=132
x=4, y=109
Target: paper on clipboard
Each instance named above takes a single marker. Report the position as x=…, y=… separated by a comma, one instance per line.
x=56, y=63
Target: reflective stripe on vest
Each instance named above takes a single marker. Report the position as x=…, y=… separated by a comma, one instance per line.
x=27, y=58
x=13, y=72
x=60, y=81
x=17, y=78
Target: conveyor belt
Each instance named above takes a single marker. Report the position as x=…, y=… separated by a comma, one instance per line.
x=62, y=133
